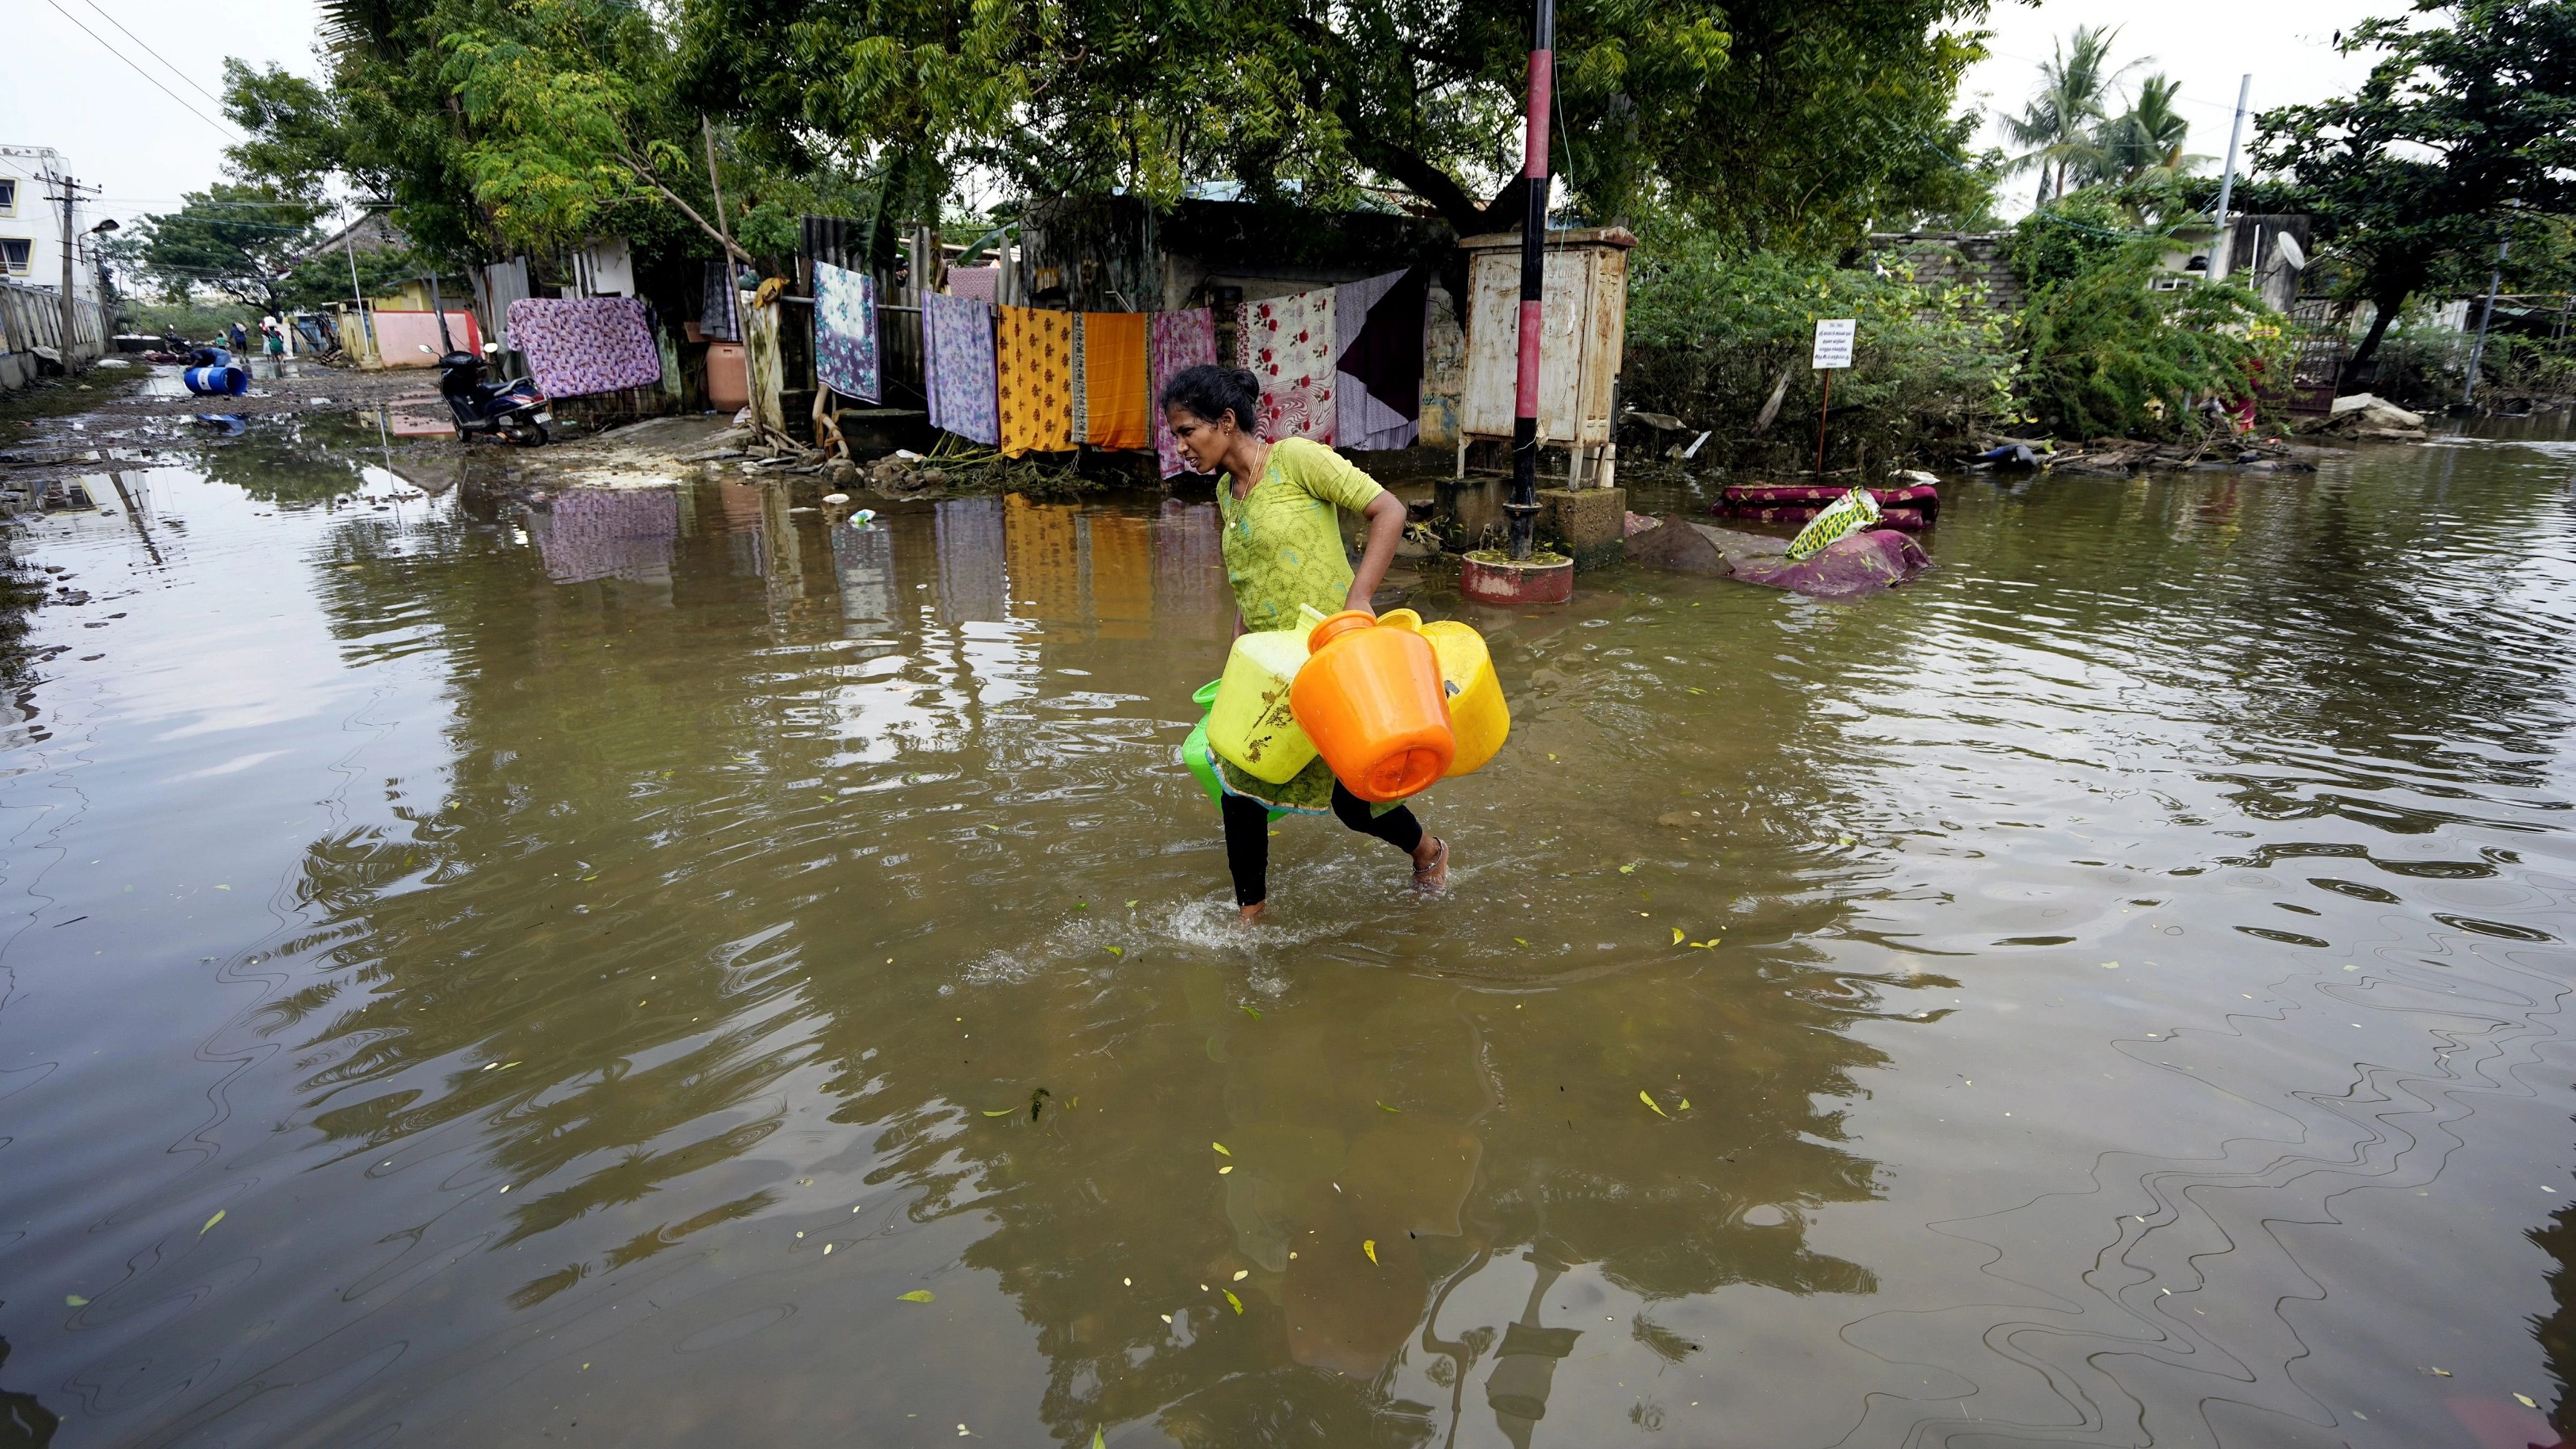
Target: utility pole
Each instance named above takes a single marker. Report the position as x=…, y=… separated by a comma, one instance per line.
x=2226, y=244
x=2478, y=350
x=357, y=293
x=1523, y=507
x=70, y=194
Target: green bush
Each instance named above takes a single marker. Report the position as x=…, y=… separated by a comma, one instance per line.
x=2067, y=238
x=1710, y=335
x=2112, y=357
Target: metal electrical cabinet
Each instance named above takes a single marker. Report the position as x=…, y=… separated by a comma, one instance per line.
x=1583, y=328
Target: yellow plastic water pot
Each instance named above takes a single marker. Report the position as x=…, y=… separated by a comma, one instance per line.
x=1252, y=724
x=1477, y=715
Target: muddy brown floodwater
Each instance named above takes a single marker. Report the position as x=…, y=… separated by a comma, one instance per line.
x=662, y=969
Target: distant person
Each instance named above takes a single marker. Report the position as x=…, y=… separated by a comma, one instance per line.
x=276, y=336
x=241, y=337
x=1278, y=507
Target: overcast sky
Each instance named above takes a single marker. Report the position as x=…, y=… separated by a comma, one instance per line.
x=66, y=89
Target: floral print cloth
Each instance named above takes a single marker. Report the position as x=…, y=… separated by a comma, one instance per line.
x=1034, y=392
x=845, y=332
x=980, y=283
x=577, y=346
x=959, y=331
x=1291, y=343
x=1177, y=340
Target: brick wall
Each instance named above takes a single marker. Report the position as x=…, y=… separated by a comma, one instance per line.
x=1945, y=259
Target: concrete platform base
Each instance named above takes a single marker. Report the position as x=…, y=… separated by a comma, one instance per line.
x=1539, y=581
x=1590, y=525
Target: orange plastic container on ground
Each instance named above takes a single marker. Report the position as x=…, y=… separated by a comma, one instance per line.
x=1370, y=698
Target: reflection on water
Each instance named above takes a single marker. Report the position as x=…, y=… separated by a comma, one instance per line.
x=490, y=968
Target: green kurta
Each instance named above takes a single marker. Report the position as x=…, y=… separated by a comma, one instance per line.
x=1283, y=548
x=1283, y=541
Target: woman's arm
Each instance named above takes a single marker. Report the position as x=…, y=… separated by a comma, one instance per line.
x=1385, y=515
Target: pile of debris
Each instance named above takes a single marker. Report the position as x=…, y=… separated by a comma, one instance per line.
x=2127, y=457
x=2370, y=419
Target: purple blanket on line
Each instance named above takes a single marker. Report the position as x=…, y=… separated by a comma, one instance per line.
x=577, y=346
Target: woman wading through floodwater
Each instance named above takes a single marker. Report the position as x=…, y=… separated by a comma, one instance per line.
x=1279, y=503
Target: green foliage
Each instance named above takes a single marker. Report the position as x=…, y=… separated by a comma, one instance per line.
x=2459, y=127
x=1786, y=122
x=2062, y=124
x=2110, y=356
x=1710, y=335
x=2067, y=238
x=230, y=239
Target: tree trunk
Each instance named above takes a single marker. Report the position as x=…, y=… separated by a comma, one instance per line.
x=2369, y=347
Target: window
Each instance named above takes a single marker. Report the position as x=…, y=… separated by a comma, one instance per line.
x=16, y=252
x=8, y=196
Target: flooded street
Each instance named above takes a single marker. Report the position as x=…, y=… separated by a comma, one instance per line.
x=662, y=969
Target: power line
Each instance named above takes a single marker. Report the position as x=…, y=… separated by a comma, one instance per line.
x=156, y=55
x=138, y=70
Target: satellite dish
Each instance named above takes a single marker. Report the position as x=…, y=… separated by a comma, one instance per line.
x=2292, y=255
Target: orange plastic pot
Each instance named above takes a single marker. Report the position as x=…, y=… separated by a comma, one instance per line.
x=1370, y=700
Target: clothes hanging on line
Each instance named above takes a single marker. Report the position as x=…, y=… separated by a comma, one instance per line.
x=1034, y=380
x=1117, y=390
x=845, y=332
x=957, y=333
x=719, y=318
x=1378, y=369
x=579, y=346
x=1081, y=399
x=1290, y=341
x=1179, y=340
x=981, y=283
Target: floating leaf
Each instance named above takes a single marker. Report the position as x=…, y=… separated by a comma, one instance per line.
x=1520, y=940
x=1369, y=1246
x=918, y=1295
x=1685, y=1106
x=2525, y=1401
x=1096, y=1441
x=1003, y=1112
x=1253, y=1012
x=1842, y=840
x=210, y=1223
x=1118, y=951
x=1131, y=905
x=75, y=1300
x=1220, y=1147
x=1385, y=1108
x=1222, y=1171
x=1082, y=905
x=1677, y=935
x=1242, y=1273
x=1708, y=945
x=1627, y=870
x=1649, y=1099
x=1235, y=1303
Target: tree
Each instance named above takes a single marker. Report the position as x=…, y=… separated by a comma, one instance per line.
x=2062, y=122
x=238, y=240
x=2462, y=131
x=1779, y=121
x=2146, y=141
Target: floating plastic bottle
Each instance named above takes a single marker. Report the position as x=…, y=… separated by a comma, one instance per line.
x=1371, y=700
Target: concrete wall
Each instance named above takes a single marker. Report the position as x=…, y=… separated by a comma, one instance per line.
x=1951, y=258
x=26, y=216
x=31, y=317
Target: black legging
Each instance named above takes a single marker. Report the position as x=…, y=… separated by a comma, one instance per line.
x=1247, y=837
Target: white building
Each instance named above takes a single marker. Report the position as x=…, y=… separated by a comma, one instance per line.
x=31, y=228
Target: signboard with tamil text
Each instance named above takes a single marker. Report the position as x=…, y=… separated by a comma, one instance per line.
x=1834, y=343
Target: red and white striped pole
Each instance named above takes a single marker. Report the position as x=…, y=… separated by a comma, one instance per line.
x=1523, y=507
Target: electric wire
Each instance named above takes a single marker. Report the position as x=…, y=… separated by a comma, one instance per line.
x=138, y=70
x=156, y=55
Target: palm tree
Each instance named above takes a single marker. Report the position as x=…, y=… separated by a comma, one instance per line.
x=2146, y=141
x=2061, y=123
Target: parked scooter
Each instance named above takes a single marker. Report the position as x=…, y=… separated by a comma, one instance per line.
x=513, y=409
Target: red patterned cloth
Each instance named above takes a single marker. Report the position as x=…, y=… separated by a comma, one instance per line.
x=576, y=346
x=1290, y=342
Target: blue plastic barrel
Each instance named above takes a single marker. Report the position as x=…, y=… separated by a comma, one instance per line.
x=224, y=381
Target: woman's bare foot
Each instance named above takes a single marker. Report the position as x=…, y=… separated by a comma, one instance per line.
x=1252, y=913
x=1431, y=864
